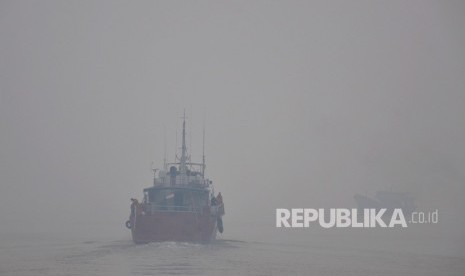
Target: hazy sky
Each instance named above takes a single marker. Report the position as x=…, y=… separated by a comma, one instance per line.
x=306, y=103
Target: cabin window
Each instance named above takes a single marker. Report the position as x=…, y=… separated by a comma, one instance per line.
x=177, y=199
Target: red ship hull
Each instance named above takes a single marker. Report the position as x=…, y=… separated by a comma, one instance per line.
x=174, y=226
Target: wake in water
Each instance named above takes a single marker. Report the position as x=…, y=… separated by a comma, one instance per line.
x=225, y=257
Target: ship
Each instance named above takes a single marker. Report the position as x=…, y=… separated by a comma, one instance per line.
x=180, y=206
x=388, y=200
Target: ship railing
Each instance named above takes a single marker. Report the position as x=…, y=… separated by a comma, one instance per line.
x=151, y=208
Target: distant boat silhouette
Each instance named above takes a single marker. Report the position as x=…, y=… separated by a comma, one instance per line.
x=388, y=200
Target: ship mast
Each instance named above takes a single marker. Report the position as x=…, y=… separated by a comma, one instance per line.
x=183, y=165
x=203, y=150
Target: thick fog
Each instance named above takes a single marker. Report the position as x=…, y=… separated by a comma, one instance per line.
x=304, y=104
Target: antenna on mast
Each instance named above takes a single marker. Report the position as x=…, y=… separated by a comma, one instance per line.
x=164, y=147
x=203, y=148
x=176, y=147
x=183, y=160
x=190, y=137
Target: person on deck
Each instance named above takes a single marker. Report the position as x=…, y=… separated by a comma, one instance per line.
x=219, y=199
x=214, y=202
x=134, y=206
